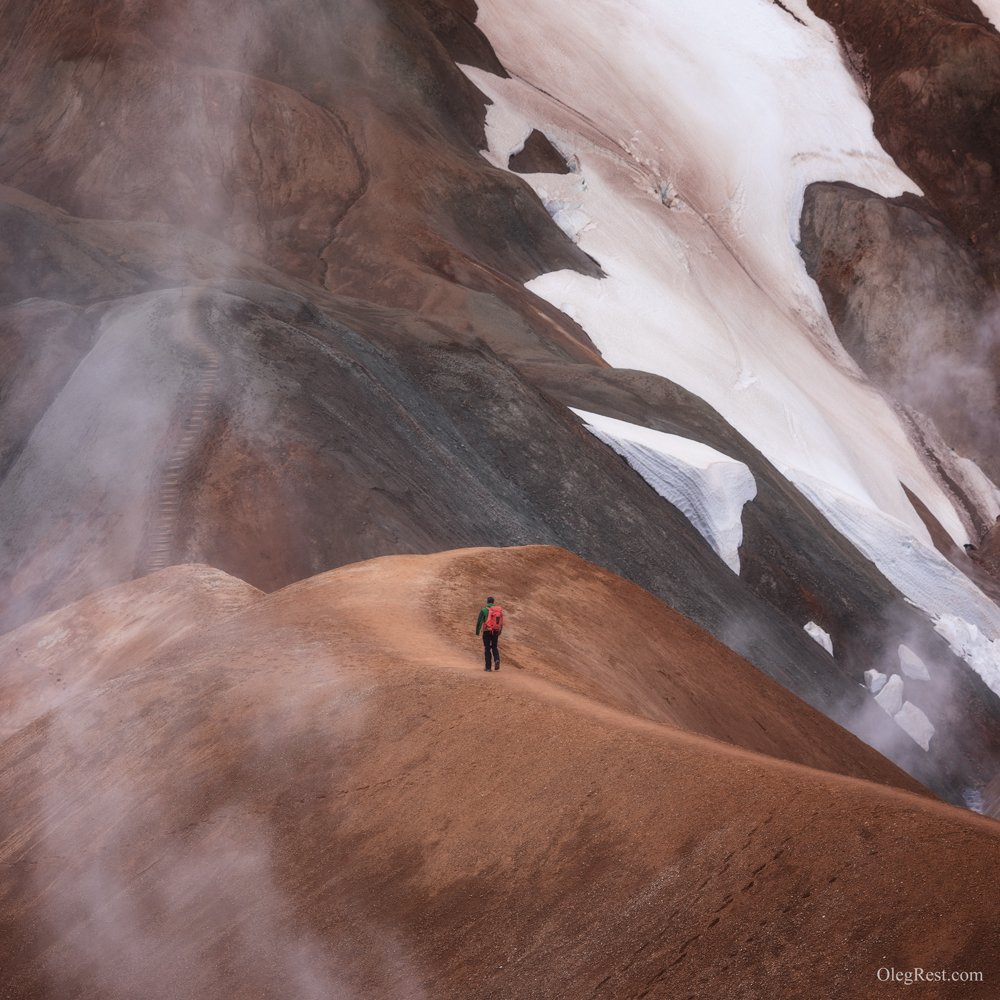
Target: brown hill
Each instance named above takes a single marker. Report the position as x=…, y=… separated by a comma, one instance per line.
x=68, y=652
x=320, y=793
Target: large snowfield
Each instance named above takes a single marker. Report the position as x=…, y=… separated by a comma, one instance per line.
x=693, y=131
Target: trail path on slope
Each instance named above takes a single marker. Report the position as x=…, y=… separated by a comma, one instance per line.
x=208, y=360
x=593, y=634
x=419, y=592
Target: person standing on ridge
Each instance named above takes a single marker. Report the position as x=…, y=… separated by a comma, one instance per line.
x=491, y=623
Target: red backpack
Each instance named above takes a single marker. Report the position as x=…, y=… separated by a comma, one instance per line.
x=494, y=619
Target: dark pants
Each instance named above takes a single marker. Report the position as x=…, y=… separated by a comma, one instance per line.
x=490, y=640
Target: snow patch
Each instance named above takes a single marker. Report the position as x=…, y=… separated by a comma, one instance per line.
x=978, y=650
x=820, y=635
x=890, y=698
x=570, y=218
x=875, y=680
x=977, y=485
x=973, y=799
x=506, y=133
x=912, y=665
x=709, y=488
x=915, y=724
x=962, y=614
x=906, y=715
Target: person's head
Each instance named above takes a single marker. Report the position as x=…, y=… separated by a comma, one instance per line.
x=489, y=600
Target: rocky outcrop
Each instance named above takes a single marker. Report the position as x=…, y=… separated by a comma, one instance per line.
x=538, y=156
x=909, y=304
x=931, y=70
x=454, y=24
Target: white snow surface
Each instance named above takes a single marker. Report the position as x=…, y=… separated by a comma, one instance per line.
x=912, y=665
x=820, y=635
x=726, y=111
x=977, y=485
x=875, y=680
x=709, y=488
x=962, y=614
x=968, y=641
x=915, y=724
x=890, y=698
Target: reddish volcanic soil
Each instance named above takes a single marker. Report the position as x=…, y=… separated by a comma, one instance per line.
x=320, y=793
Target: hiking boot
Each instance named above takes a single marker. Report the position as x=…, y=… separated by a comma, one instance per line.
x=487, y=669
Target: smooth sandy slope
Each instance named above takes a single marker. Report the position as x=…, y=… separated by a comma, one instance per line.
x=206, y=792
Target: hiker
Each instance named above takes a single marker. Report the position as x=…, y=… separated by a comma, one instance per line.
x=491, y=623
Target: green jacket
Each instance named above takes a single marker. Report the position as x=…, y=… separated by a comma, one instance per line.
x=483, y=614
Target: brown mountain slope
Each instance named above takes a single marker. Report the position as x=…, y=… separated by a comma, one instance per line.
x=337, y=142
x=600, y=636
x=68, y=652
x=324, y=795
